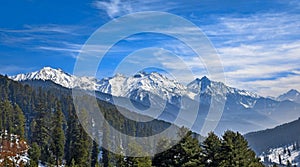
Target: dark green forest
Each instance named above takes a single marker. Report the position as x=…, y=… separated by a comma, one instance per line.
x=45, y=117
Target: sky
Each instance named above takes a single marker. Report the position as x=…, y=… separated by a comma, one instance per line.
x=258, y=41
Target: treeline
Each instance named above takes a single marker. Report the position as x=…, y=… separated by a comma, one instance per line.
x=56, y=136
x=229, y=151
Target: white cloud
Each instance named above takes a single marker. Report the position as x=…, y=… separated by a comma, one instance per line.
x=275, y=87
x=255, y=28
x=261, y=68
x=116, y=8
x=48, y=28
x=50, y=37
x=259, y=52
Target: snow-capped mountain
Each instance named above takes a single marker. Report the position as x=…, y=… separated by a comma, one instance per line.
x=139, y=86
x=292, y=95
x=212, y=88
x=136, y=87
x=243, y=111
x=204, y=85
x=59, y=77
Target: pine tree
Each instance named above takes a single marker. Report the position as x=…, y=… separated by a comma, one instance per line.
x=34, y=155
x=120, y=158
x=190, y=154
x=211, y=150
x=284, y=151
x=95, y=153
x=7, y=118
x=236, y=152
x=163, y=154
x=73, y=164
x=134, y=150
x=82, y=148
x=280, y=161
x=41, y=131
x=186, y=153
x=106, y=155
x=19, y=121
x=58, y=137
x=71, y=126
x=78, y=147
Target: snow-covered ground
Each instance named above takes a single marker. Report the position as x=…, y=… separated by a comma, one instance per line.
x=272, y=156
x=13, y=148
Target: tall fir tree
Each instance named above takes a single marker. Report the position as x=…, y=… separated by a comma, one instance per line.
x=78, y=146
x=19, y=121
x=211, y=150
x=106, y=155
x=41, y=131
x=135, y=150
x=34, y=155
x=235, y=151
x=58, y=137
x=95, y=153
x=185, y=153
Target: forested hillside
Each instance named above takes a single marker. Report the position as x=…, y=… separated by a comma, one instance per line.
x=45, y=118
x=279, y=136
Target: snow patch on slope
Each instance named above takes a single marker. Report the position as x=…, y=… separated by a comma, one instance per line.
x=272, y=156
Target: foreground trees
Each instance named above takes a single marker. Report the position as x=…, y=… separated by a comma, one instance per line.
x=232, y=150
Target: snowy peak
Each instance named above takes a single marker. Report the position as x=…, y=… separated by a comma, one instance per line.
x=199, y=85
x=140, y=83
x=60, y=77
x=292, y=95
x=46, y=73
x=205, y=85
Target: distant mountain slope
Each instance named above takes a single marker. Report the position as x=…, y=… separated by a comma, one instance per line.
x=292, y=95
x=282, y=135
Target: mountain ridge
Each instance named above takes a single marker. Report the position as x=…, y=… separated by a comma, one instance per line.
x=244, y=111
x=67, y=80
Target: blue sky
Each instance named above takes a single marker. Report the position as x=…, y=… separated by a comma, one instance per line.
x=258, y=41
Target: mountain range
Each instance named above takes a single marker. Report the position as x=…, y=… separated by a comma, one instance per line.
x=244, y=111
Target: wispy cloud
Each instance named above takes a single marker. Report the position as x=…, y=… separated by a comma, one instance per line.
x=261, y=27
x=49, y=28
x=50, y=37
x=116, y=8
x=264, y=68
x=113, y=8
